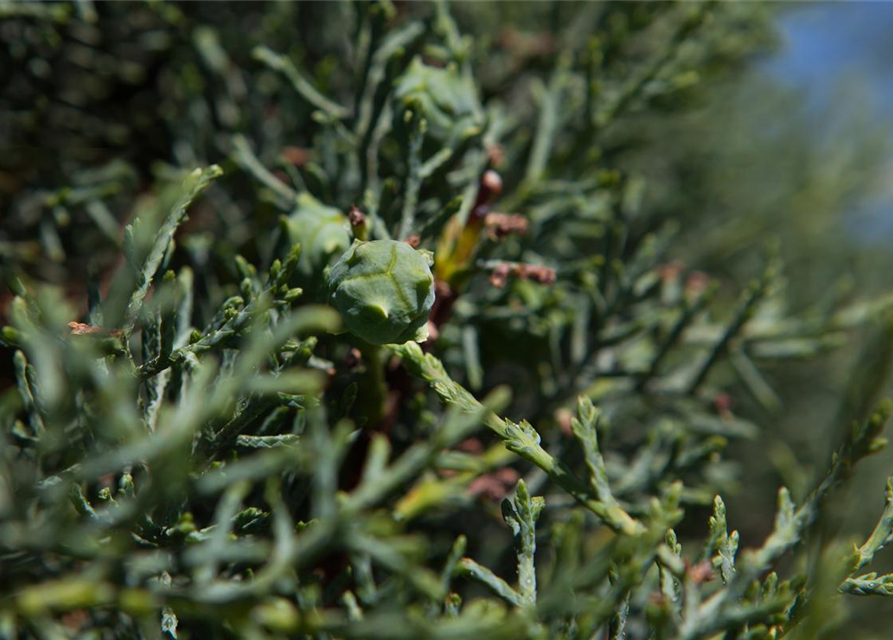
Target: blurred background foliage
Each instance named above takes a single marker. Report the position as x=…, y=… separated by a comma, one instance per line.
x=101, y=104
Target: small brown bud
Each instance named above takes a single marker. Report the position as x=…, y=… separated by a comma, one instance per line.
x=356, y=217
x=500, y=225
x=495, y=154
x=701, y=572
x=537, y=273
x=282, y=177
x=543, y=275
x=563, y=417
x=442, y=289
x=487, y=486
x=723, y=403
x=508, y=476
x=76, y=620
x=296, y=156
x=83, y=329
x=496, y=485
x=433, y=332
x=353, y=359
x=696, y=283
x=471, y=445
x=491, y=186
x=671, y=271
x=500, y=276
x=413, y=240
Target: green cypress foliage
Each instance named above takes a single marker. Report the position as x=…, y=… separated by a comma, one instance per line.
x=229, y=409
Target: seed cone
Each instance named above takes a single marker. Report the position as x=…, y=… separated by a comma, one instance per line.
x=384, y=290
x=322, y=232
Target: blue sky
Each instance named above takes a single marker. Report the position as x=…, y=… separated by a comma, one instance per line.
x=825, y=39
x=826, y=44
